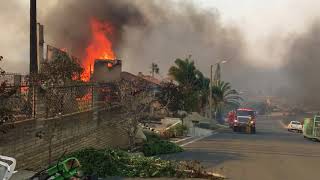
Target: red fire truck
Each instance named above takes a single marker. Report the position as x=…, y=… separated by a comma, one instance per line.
x=243, y=119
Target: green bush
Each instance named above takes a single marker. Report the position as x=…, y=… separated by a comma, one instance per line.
x=180, y=129
x=156, y=146
x=110, y=162
x=151, y=136
x=176, y=131
x=160, y=147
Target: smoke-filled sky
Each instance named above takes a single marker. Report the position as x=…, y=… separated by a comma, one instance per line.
x=267, y=23
x=259, y=38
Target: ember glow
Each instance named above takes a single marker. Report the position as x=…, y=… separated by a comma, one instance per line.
x=100, y=46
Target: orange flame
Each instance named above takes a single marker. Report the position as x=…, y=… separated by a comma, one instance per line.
x=100, y=46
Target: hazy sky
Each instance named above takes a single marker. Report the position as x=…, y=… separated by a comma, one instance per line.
x=260, y=21
x=262, y=16
x=266, y=23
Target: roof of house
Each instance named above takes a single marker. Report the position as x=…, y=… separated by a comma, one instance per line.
x=150, y=78
x=131, y=77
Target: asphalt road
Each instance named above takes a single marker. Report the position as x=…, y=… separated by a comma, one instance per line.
x=271, y=154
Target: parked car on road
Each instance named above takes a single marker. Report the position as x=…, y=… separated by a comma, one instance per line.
x=295, y=126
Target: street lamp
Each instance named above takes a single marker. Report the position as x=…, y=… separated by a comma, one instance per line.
x=217, y=75
x=210, y=89
x=222, y=62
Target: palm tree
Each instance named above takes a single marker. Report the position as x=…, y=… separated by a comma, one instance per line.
x=192, y=82
x=223, y=95
x=185, y=72
x=203, y=88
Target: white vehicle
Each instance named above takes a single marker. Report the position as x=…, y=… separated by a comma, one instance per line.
x=295, y=126
x=7, y=166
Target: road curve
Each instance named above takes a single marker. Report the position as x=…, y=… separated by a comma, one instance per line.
x=271, y=154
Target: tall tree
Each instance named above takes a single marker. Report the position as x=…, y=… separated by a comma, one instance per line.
x=223, y=95
x=7, y=106
x=170, y=97
x=185, y=73
x=133, y=101
x=61, y=71
x=203, y=84
x=194, y=86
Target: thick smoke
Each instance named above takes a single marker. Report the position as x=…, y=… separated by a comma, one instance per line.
x=149, y=31
x=68, y=22
x=173, y=33
x=160, y=31
x=303, y=67
x=14, y=41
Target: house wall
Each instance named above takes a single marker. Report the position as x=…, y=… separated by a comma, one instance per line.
x=29, y=142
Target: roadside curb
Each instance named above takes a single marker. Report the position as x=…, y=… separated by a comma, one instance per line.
x=198, y=139
x=192, y=139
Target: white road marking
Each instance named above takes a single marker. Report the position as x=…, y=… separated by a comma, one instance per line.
x=182, y=139
x=198, y=139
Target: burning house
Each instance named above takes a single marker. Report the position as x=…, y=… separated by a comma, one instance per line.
x=106, y=70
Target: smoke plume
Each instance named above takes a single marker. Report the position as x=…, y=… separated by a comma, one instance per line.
x=303, y=67
x=148, y=31
x=68, y=22
x=145, y=31
x=14, y=42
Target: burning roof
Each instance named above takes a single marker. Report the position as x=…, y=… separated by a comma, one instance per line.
x=100, y=46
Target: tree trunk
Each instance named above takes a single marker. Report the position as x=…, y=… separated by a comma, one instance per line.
x=131, y=142
x=50, y=151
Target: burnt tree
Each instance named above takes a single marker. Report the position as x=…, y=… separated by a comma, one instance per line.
x=134, y=101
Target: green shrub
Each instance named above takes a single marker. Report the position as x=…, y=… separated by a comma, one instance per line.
x=156, y=146
x=180, y=129
x=177, y=130
x=110, y=162
x=160, y=147
x=151, y=136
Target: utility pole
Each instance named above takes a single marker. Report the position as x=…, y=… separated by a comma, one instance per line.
x=217, y=74
x=33, y=66
x=217, y=78
x=154, y=69
x=210, y=96
x=33, y=37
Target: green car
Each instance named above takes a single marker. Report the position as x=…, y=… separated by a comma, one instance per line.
x=311, y=128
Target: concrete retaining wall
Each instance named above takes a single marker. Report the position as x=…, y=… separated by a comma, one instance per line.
x=31, y=141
